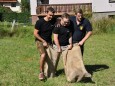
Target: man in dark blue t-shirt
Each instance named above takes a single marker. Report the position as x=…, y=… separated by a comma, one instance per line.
x=82, y=29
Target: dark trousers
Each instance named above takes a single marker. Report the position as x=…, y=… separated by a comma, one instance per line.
x=82, y=49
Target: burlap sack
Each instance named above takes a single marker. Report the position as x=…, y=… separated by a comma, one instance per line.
x=73, y=64
x=51, y=62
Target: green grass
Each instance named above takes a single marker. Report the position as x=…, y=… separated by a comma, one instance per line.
x=19, y=62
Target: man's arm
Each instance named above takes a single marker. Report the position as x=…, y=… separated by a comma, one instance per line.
x=88, y=34
x=70, y=42
x=57, y=42
x=38, y=37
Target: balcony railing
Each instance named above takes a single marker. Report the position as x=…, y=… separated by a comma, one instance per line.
x=61, y=8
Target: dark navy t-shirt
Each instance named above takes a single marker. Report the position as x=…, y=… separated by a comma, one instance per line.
x=81, y=29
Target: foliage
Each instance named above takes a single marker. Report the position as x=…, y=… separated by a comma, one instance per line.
x=104, y=25
x=19, y=17
x=20, y=30
x=88, y=15
x=5, y=9
x=25, y=5
x=5, y=29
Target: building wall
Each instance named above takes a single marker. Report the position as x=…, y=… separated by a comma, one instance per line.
x=34, y=19
x=102, y=6
x=15, y=9
x=97, y=16
x=33, y=5
x=68, y=1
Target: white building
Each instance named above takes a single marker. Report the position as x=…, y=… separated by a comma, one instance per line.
x=103, y=8
x=35, y=3
x=14, y=5
x=100, y=8
x=68, y=1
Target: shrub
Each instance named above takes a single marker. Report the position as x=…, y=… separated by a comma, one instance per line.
x=23, y=31
x=20, y=30
x=4, y=29
x=103, y=26
x=5, y=9
x=19, y=17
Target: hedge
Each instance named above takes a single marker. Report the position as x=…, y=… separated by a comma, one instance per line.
x=19, y=17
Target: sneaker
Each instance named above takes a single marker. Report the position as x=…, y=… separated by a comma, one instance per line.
x=41, y=76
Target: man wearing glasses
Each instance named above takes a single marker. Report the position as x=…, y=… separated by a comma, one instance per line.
x=62, y=36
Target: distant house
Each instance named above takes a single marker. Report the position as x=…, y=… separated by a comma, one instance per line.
x=103, y=8
x=99, y=8
x=14, y=5
x=38, y=7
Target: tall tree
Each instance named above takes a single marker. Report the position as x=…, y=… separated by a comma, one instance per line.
x=25, y=5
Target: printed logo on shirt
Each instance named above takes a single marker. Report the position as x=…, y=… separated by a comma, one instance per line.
x=52, y=25
x=81, y=27
x=67, y=31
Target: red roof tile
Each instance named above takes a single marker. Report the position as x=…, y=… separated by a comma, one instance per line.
x=8, y=0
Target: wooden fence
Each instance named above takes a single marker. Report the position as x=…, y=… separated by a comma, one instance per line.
x=61, y=8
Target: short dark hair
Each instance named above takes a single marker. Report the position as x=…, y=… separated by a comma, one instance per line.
x=79, y=10
x=65, y=15
x=50, y=9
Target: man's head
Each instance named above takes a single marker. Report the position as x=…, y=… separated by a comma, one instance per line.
x=79, y=14
x=50, y=13
x=65, y=19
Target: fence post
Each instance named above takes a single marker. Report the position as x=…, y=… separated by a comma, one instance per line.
x=12, y=28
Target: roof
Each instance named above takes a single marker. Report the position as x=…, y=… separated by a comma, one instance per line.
x=8, y=1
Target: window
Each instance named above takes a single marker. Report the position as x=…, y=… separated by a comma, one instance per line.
x=39, y=2
x=13, y=4
x=111, y=1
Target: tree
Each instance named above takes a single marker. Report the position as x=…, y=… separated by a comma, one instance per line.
x=25, y=5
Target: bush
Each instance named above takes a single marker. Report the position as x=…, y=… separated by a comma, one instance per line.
x=5, y=9
x=20, y=30
x=7, y=15
x=4, y=29
x=23, y=31
x=23, y=17
x=103, y=25
x=19, y=17
x=88, y=15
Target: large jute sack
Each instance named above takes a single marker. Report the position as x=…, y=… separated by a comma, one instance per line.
x=51, y=60
x=73, y=64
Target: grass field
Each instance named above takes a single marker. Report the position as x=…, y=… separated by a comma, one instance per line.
x=19, y=62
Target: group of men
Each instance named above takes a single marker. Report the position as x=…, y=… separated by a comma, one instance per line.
x=70, y=30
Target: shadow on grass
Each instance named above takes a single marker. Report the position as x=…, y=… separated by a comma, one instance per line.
x=95, y=68
x=59, y=72
x=91, y=69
